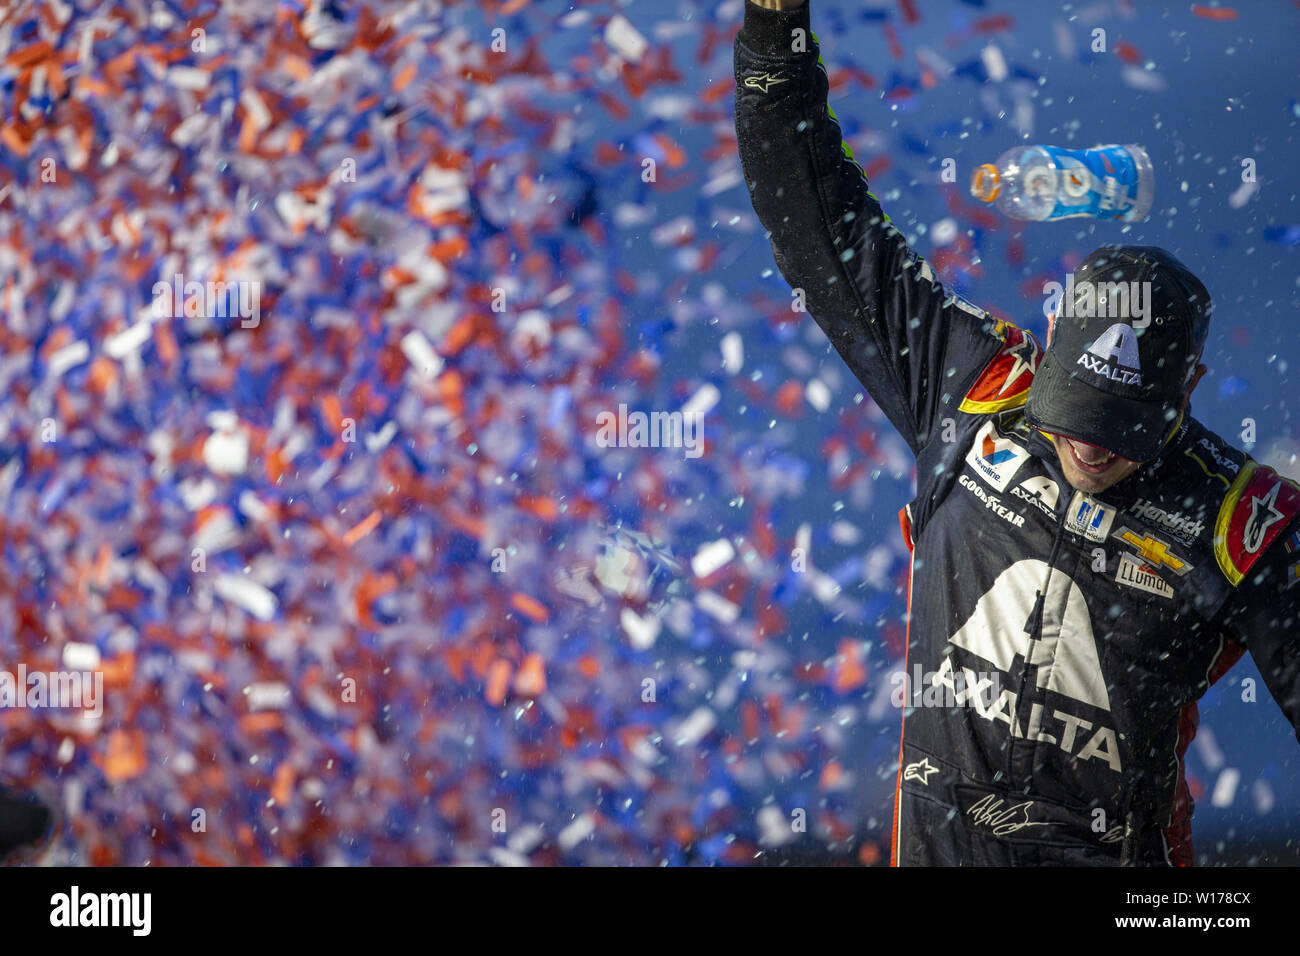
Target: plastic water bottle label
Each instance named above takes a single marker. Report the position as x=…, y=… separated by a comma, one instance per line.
x=1102, y=183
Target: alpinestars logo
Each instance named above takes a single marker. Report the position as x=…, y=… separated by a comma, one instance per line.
x=1257, y=525
x=919, y=771
x=1064, y=656
x=1114, y=355
x=1024, y=359
x=764, y=81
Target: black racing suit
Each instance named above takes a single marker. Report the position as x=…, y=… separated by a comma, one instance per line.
x=1061, y=639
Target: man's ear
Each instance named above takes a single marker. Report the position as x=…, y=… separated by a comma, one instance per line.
x=1196, y=377
x=1051, y=324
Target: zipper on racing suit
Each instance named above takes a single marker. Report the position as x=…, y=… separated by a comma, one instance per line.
x=1034, y=628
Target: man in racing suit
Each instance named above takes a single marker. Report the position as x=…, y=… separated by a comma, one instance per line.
x=1087, y=558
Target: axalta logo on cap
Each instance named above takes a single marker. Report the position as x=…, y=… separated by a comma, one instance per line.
x=1114, y=355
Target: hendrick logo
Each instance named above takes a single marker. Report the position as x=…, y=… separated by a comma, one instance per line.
x=1114, y=355
x=1180, y=525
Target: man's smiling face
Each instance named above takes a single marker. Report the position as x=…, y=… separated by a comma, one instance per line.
x=1090, y=468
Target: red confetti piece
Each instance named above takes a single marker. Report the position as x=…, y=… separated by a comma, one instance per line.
x=1215, y=13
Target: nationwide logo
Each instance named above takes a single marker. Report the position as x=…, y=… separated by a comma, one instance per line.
x=1133, y=573
x=1062, y=657
x=1089, y=517
x=1153, y=551
x=1263, y=515
x=919, y=771
x=764, y=81
x=1114, y=355
x=1176, y=523
x=994, y=457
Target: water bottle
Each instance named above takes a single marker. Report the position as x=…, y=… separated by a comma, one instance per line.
x=1042, y=183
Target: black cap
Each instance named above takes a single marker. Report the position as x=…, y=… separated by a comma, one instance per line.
x=1127, y=338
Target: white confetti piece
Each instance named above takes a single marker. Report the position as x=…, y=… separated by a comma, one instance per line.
x=577, y=831
x=703, y=401
x=1207, y=747
x=712, y=556
x=1148, y=81
x=421, y=354
x=818, y=395
x=226, y=452
x=1242, y=194
x=625, y=38
x=68, y=357
x=128, y=341
x=695, y=727
x=994, y=62
x=641, y=631
x=944, y=231
x=733, y=352
x=268, y=695
x=774, y=827
x=80, y=657
x=248, y=594
x=716, y=606
x=1263, y=796
x=1225, y=788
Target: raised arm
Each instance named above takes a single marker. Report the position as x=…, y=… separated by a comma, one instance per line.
x=915, y=347
x=1264, y=618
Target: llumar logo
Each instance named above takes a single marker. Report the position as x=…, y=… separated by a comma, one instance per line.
x=1133, y=573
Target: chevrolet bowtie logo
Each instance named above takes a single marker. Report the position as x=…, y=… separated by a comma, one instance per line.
x=764, y=82
x=1154, y=552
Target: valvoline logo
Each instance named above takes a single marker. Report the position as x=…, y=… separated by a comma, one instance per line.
x=991, y=455
x=995, y=457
